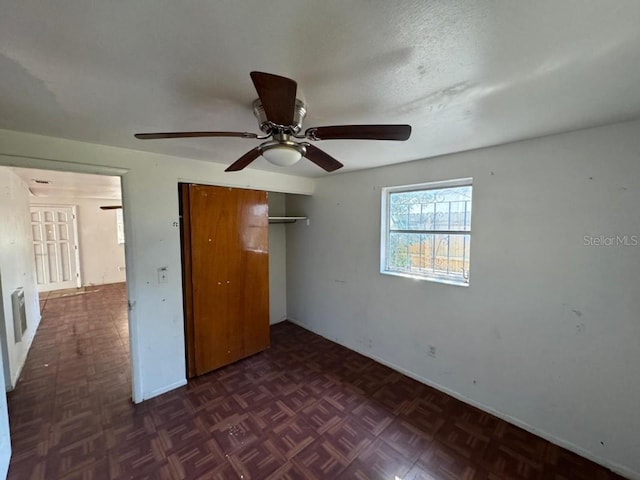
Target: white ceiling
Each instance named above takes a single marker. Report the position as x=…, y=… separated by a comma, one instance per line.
x=464, y=74
x=52, y=183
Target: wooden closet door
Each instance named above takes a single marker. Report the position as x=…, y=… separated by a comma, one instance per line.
x=228, y=267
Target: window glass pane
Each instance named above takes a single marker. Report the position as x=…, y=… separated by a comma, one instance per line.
x=436, y=209
x=428, y=254
x=410, y=252
x=414, y=221
x=441, y=216
x=398, y=252
x=441, y=250
x=467, y=256
x=460, y=216
x=398, y=213
x=457, y=254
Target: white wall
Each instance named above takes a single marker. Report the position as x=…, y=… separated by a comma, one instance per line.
x=150, y=189
x=277, y=260
x=101, y=256
x=548, y=332
x=17, y=269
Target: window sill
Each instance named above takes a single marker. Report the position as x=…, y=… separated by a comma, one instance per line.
x=432, y=278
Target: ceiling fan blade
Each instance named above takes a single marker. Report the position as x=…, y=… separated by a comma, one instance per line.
x=322, y=159
x=277, y=95
x=110, y=207
x=152, y=136
x=359, y=132
x=244, y=160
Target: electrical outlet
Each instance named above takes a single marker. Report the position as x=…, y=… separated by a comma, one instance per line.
x=163, y=276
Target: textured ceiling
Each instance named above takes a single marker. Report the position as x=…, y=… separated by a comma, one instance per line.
x=464, y=74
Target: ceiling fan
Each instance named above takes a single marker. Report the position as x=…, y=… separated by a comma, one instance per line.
x=280, y=116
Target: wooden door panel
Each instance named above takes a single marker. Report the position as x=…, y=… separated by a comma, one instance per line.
x=229, y=273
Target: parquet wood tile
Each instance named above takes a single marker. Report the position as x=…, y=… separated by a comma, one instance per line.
x=257, y=461
x=348, y=438
x=320, y=460
x=306, y=409
x=322, y=415
x=407, y=439
x=441, y=461
x=289, y=471
x=297, y=399
x=236, y=431
x=252, y=397
x=466, y=441
x=292, y=437
x=380, y=462
x=198, y=460
x=398, y=395
x=374, y=417
x=560, y=464
x=271, y=414
x=345, y=400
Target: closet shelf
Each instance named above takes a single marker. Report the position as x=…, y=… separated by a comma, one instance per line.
x=285, y=219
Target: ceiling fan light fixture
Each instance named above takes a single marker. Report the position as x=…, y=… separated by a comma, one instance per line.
x=282, y=155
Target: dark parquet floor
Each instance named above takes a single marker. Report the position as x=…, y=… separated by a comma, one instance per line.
x=305, y=409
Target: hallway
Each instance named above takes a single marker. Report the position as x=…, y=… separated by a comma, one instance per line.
x=75, y=382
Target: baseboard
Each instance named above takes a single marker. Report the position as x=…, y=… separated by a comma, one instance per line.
x=280, y=321
x=165, y=389
x=619, y=469
x=18, y=372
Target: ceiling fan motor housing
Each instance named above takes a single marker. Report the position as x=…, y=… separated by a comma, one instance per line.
x=267, y=127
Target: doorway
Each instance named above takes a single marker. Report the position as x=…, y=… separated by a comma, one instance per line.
x=18, y=268
x=71, y=223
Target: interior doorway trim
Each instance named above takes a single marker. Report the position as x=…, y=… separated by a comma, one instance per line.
x=22, y=161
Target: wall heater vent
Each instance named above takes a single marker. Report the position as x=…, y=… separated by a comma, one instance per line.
x=19, y=314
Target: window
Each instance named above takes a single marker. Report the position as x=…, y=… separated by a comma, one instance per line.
x=426, y=231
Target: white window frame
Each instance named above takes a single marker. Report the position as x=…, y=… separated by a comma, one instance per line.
x=385, y=229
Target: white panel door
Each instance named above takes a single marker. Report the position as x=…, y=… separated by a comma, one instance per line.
x=55, y=247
